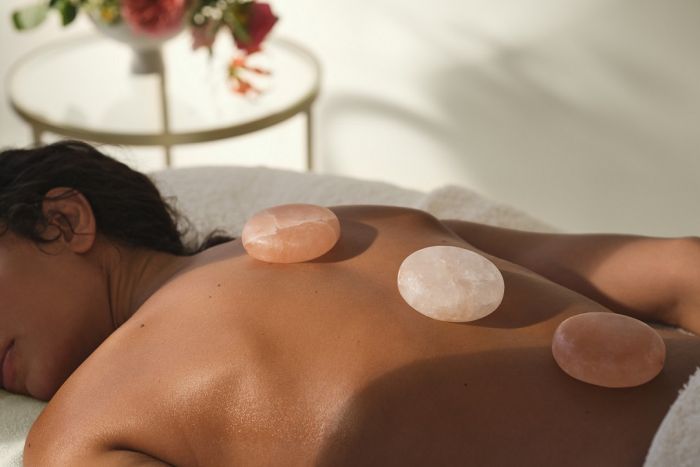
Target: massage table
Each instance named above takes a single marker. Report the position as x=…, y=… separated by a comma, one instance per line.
x=224, y=197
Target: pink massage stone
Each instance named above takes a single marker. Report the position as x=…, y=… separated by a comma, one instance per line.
x=449, y=283
x=291, y=233
x=608, y=349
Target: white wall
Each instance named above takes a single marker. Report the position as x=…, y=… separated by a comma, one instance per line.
x=582, y=112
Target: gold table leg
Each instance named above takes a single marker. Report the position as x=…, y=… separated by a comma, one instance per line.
x=164, y=111
x=309, y=140
x=36, y=134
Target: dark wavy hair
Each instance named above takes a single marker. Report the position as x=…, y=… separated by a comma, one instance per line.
x=128, y=207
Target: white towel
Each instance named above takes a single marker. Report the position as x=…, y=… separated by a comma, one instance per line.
x=677, y=441
x=18, y=414
x=456, y=202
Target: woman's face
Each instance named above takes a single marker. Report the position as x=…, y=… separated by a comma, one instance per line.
x=54, y=306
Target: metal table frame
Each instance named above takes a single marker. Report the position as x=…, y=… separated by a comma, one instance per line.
x=167, y=138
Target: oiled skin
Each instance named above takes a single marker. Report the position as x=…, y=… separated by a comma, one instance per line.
x=239, y=362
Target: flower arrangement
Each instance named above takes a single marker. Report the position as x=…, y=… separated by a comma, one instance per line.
x=248, y=21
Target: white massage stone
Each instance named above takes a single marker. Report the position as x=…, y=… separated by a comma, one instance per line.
x=291, y=233
x=449, y=283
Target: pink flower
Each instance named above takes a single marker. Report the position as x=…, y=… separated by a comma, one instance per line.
x=154, y=17
x=258, y=20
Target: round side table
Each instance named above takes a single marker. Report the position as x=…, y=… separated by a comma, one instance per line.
x=82, y=87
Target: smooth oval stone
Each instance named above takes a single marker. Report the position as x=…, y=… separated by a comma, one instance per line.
x=449, y=283
x=291, y=233
x=608, y=349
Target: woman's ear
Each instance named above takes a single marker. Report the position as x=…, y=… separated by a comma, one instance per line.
x=70, y=212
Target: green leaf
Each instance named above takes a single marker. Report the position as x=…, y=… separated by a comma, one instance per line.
x=29, y=17
x=68, y=12
x=233, y=22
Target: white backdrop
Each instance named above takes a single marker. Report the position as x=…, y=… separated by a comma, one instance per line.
x=584, y=113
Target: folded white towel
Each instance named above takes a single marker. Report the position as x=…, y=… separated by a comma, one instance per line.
x=225, y=197
x=457, y=202
x=677, y=441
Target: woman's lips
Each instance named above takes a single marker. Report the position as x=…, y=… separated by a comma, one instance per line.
x=8, y=367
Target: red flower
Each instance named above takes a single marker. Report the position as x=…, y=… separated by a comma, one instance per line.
x=257, y=19
x=154, y=17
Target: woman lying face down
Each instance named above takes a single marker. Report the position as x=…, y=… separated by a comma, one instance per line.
x=153, y=352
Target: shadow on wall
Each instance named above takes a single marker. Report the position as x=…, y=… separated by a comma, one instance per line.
x=338, y=106
x=588, y=127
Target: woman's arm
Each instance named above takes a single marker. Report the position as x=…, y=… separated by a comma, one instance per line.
x=118, y=409
x=654, y=279
x=114, y=458
x=63, y=440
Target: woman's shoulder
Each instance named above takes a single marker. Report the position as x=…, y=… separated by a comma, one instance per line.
x=152, y=385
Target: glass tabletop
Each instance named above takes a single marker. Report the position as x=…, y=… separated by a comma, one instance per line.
x=86, y=84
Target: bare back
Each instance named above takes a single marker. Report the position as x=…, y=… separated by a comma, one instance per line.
x=239, y=362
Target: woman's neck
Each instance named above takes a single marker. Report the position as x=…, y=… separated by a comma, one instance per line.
x=133, y=275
